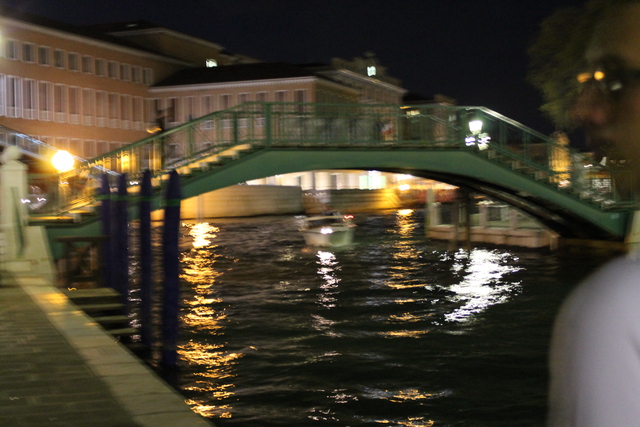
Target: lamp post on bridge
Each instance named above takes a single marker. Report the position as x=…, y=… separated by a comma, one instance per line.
x=477, y=137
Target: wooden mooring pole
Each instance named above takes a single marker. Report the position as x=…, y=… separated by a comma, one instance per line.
x=171, y=264
x=120, y=239
x=105, y=226
x=146, y=258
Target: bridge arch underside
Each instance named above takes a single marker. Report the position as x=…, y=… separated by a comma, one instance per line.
x=563, y=213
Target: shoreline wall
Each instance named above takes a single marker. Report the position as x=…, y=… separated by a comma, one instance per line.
x=257, y=200
x=241, y=201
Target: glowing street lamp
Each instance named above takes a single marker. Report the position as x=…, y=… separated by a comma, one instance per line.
x=63, y=161
x=477, y=137
x=475, y=126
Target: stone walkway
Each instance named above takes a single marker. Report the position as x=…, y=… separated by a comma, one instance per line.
x=59, y=369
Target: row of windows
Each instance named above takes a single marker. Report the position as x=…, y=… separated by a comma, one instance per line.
x=47, y=101
x=39, y=100
x=73, y=61
x=178, y=110
x=84, y=148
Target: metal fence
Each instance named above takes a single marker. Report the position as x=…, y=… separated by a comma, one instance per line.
x=207, y=141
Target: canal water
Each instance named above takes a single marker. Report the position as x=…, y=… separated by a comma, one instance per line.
x=394, y=330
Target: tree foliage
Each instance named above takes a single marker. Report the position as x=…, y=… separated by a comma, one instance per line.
x=557, y=56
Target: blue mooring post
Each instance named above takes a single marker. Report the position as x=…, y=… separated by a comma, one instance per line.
x=105, y=227
x=146, y=273
x=171, y=309
x=121, y=242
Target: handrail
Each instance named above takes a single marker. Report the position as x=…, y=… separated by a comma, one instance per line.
x=29, y=145
x=210, y=140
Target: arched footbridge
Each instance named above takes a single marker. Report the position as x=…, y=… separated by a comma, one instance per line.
x=471, y=147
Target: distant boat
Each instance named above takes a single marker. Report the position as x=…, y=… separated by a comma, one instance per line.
x=328, y=230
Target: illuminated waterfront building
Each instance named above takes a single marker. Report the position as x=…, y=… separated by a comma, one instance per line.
x=93, y=89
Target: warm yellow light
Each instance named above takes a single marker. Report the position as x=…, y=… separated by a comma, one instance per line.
x=583, y=77
x=63, y=161
x=598, y=75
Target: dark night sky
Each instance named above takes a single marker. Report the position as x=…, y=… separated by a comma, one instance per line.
x=472, y=50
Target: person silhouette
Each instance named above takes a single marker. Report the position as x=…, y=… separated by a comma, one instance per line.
x=595, y=347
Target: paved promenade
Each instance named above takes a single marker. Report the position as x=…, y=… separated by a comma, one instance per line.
x=59, y=369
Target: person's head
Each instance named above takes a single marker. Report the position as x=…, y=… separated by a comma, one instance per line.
x=608, y=104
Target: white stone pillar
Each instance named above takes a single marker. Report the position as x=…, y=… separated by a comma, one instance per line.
x=484, y=216
x=433, y=209
x=13, y=209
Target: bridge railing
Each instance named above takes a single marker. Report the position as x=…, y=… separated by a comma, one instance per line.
x=27, y=144
x=549, y=159
x=254, y=124
x=210, y=138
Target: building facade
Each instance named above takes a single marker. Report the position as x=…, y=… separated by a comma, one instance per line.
x=90, y=90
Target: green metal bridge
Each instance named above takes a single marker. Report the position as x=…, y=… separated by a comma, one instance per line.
x=562, y=188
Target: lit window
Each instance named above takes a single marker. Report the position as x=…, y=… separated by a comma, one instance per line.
x=371, y=71
x=211, y=63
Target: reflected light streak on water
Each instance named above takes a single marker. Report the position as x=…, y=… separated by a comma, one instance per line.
x=395, y=330
x=199, y=271
x=482, y=273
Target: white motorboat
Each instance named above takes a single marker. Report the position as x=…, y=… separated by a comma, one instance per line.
x=328, y=230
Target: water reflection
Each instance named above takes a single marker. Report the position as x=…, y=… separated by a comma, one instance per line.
x=213, y=379
x=405, y=222
x=202, y=234
x=329, y=267
x=404, y=396
x=404, y=248
x=349, y=337
x=483, y=283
